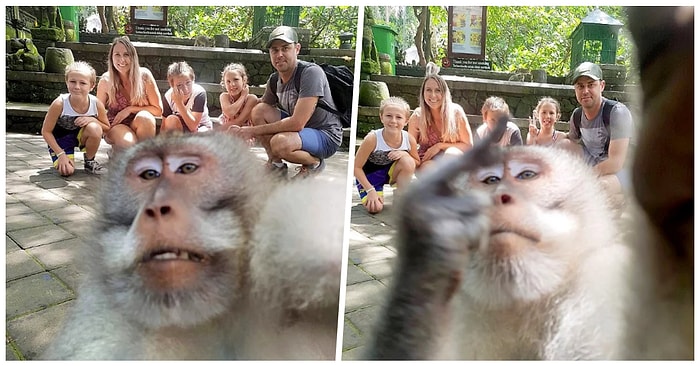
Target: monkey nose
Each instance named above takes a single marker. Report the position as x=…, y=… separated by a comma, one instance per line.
x=157, y=211
x=503, y=199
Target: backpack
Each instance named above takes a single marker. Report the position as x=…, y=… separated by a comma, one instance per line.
x=340, y=80
x=608, y=105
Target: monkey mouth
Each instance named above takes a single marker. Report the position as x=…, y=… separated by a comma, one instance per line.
x=170, y=254
x=510, y=231
x=173, y=269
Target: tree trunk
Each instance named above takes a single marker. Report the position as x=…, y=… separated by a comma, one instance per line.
x=420, y=12
x=427, y=38
x=103, y=20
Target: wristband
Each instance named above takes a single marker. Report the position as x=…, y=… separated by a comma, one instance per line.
x=59, y=154
x=369, y=190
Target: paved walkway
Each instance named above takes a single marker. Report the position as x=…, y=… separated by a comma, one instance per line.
x=370, y=258
x=47, y=217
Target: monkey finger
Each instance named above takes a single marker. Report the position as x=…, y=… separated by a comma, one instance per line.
x=446, y=170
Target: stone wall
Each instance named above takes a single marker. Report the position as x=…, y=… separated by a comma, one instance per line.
x=470, y=93
x=206, y=61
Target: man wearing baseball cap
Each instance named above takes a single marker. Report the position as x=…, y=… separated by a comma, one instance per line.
x=604, y=137
x=287, y=122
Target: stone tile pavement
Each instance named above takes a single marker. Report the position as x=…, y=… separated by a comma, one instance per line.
x=47, y=218
x=370, y=258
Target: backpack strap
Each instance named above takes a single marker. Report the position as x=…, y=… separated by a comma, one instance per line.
x=608, y=105
x=577, y=120
x=297, y=78
x=607, y=108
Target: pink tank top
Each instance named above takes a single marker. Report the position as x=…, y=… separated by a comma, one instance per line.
x=115, y=108
x=433, y=138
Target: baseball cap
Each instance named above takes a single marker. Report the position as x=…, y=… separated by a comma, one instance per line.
x=589, y=69
x=283, y=33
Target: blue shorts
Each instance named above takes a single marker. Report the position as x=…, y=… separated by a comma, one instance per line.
x=377, y=178
x=314, y=141
x=624, y=176
x=68, y=144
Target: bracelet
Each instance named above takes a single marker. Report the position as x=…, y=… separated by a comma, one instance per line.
x=59, y=154
x=369, y=190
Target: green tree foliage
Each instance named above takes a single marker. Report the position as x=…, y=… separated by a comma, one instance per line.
x=529, y=37
x=193, y=21
x=324, y=22
x=533, y=37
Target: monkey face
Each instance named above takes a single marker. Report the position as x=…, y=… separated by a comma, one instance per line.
x=542, y=202
x=178, y=217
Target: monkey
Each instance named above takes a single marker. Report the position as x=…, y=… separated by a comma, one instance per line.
x=203, y=41
x=199, y=254
x=663, y=185
x=490, y=267
x=488, y=270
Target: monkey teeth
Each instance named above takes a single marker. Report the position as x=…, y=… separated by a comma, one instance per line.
x=174, y=255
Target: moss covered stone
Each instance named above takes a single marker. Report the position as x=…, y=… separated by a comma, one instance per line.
x=373, y=92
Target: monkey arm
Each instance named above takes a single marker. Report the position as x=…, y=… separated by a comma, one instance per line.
x=438, y=226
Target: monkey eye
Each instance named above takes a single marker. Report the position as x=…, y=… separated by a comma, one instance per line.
x=187, y=168
x=149, y=174
x=491, y=179
x=528, y=174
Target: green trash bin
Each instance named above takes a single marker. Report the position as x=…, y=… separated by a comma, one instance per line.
x=385, y=39
x=70, y=13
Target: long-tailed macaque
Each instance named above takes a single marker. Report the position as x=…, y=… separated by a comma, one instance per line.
x=199, y=254
x=502, y=256
x=515, y=254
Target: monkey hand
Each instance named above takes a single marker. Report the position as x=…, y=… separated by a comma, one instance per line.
x=438, y=211
x=439, y=223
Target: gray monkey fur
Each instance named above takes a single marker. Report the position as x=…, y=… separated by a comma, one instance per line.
x=272, y=288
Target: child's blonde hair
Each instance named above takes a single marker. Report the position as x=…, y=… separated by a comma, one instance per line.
x=397, y=102
x=180, y=68
x=234, y=66
x=549, y=100
x=82, y=67
x=495, y=104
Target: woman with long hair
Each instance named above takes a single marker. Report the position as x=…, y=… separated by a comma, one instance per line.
x=439, y=126
x=130, y=94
